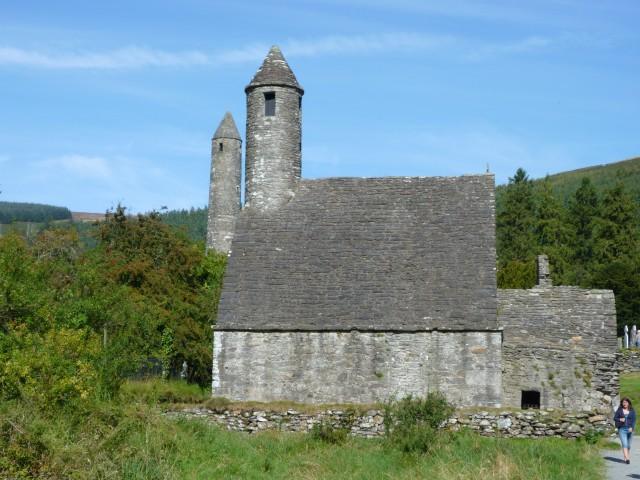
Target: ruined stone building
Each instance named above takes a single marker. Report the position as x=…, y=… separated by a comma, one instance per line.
x=359, y=289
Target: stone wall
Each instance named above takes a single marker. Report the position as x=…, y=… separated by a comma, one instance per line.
x=273, y=156
x=224, y=185
x=629, y=361
x=520, y=424
x=357, y=367
x=561, y=342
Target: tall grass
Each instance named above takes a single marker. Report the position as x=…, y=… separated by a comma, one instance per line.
x=132, y=439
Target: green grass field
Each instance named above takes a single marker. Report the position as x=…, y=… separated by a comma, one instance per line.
x=131, y=439
x=630, y=387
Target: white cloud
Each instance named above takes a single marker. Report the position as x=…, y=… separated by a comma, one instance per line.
x=81, y=166
x=129, y=57
x=526, y=45
x=137, y=57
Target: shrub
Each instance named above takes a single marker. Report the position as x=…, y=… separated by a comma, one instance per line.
x=411, y=424
x=327, y=433
x=593, y=436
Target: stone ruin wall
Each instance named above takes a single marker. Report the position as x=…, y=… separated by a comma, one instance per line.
x=370, y=423
x=560, y=341
x=357, y=367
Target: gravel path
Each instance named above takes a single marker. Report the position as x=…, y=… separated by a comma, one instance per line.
x=616, y=468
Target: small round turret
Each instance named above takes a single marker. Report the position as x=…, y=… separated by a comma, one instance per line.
x=274, y=134
x=224, y=188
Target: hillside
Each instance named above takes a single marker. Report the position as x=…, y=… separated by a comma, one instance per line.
x=564, y=184
x=31, y=212
x=602, y=177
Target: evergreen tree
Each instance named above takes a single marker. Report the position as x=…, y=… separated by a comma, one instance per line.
x=583, y=213
x=551, y=232
x=616, y=249
x=515, y=233
x=616, y=232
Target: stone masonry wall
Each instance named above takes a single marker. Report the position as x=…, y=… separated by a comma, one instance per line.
x=520, y=424
x=273, y=157
x=561, y=342
x=357, y=367
x=224, y=192
x=630, y=361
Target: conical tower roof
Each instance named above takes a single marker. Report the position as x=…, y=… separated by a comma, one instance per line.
x=227, y=128
x=274, y=71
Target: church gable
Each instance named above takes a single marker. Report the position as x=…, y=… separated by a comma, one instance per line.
x=369, y=254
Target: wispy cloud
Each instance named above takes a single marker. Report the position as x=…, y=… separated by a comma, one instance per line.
x=81, y=166
x=526, y=45
x=129, y=57
x=139, y=57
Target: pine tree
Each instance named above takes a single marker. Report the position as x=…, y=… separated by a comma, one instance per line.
x=515, y=233
x=616, y=250
x=583, y=213
x=616, y=232
x=551, y=233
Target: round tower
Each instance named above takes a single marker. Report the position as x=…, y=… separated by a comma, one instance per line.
x=224, y=188
x=274, y=134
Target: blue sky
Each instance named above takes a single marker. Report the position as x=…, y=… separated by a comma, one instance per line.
x=107, y=102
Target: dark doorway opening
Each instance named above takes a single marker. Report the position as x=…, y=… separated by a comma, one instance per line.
x=530, y=399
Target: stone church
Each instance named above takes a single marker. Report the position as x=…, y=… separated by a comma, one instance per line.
x=355, y=290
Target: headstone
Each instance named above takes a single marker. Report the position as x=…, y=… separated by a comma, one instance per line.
x=626, y=336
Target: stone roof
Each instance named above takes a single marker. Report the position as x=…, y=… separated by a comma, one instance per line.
x=371, y=254
x=227, y=128
x=274, y=71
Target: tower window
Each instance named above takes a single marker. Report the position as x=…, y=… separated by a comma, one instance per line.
x=530, y=399
x=269, y=104
x=220, y=147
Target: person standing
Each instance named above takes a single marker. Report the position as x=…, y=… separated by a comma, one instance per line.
x=625, y=421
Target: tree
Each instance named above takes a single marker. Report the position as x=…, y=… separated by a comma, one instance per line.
x=583, y=213
x=515, y=234
x=616, y=231
x=551, y=232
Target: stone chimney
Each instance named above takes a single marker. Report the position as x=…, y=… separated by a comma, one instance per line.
x=544, y=274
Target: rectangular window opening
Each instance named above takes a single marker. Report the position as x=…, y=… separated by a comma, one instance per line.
x=530, y=399
x=220, y=147
x=269, y=104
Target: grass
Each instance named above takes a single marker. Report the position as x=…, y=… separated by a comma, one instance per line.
x=630, y=387
x=132, y=439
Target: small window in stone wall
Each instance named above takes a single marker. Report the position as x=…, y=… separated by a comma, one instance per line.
x=269, y=104
x=220, y=147
x=530, y=399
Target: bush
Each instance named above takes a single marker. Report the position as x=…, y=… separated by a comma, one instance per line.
x=593, y=436
x=412, y=423
x=327, y=433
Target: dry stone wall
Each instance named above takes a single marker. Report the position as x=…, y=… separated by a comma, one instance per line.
x=518, y=424
x=357, y=367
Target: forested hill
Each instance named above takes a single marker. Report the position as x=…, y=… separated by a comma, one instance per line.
x=31, y=212
x=602, y=177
